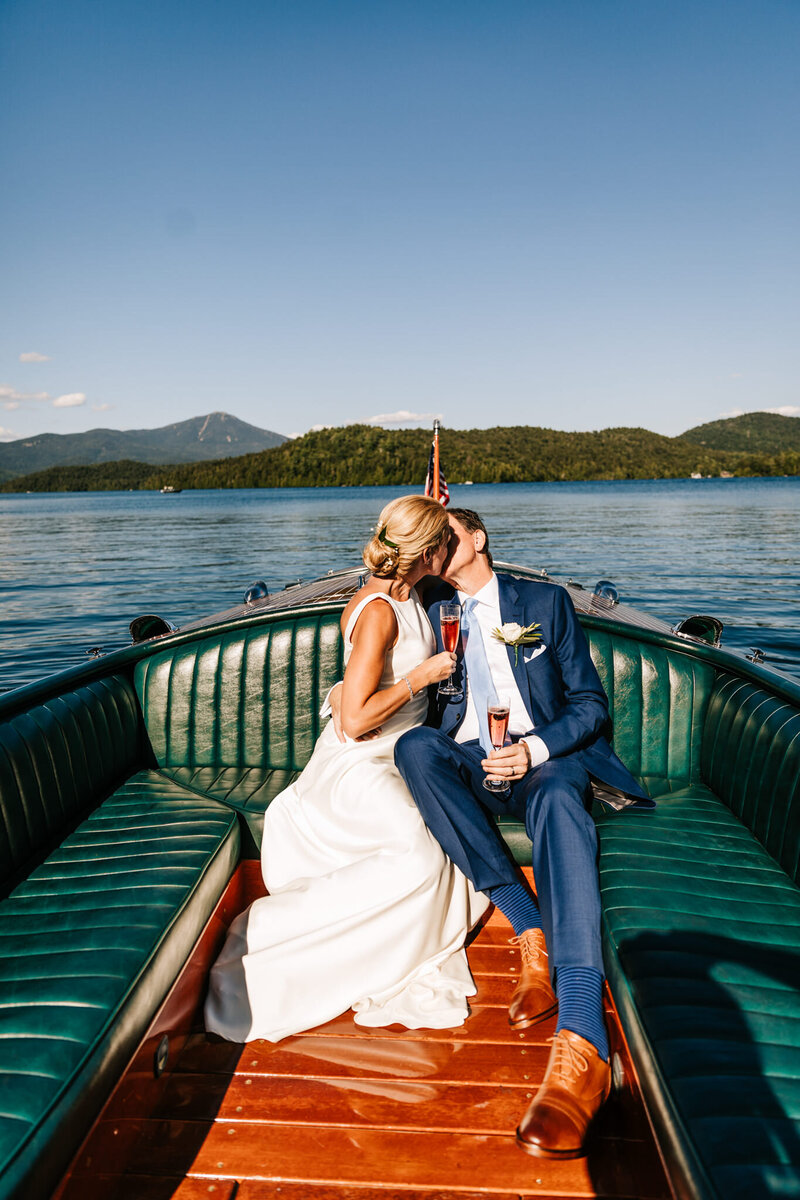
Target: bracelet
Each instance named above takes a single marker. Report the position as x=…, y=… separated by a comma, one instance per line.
x=405, y=680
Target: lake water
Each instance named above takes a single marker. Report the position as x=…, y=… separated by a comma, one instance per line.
x=76, y=568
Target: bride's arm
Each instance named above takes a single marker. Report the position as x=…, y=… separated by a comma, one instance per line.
x=364, y=705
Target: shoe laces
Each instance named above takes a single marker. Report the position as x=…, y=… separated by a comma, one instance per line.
x=530, y=948
x=568, y=1062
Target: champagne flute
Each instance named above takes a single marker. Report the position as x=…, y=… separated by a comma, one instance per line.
x=450, y=624
x=498, y=713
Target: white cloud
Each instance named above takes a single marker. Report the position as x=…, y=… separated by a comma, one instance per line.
x=70, y=400
x=10, y=405
x=34, y=356
x=7, y=392
x=6, y=435
x=734, y=412
x=101, y=407
x=401, y=417
x=317, y=428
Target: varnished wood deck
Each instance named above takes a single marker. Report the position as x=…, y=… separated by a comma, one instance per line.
x=341, y=1113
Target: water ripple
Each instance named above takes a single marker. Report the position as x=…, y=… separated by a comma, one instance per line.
x=75, y=569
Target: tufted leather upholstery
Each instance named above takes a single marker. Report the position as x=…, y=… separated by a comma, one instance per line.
x=247, y=790
x=56, y=761
x=244, y=698
x=657, y=699
x=94, y=936
x=235, y=716
x=751, y=760
x=702, y=948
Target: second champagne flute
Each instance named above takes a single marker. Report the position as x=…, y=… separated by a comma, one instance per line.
x=450, y=624
x=498, y=714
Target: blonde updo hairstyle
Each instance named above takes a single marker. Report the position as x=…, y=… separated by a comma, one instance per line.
x=406, y=528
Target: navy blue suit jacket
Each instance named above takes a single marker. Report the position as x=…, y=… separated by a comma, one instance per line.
x=560, y=686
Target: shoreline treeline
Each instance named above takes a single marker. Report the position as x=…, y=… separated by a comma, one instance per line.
x=355, y=455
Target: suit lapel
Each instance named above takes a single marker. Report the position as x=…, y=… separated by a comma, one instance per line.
x=511, y=609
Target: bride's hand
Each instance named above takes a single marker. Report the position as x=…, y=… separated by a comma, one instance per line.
x=439, y=667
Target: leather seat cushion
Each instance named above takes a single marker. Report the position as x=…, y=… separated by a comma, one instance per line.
x=702, y=945
x=57, y=760
x=89, y=946
x=247, y=790
x=249, y=696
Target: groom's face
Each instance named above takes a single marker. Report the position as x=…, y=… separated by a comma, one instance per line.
x=462, y=550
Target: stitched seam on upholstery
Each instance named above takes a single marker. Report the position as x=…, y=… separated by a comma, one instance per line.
x=25, y=748
x=291, y=680
x=47, y=737
x=792, y=802
x=14, y=859
x=168, y=711
x=196, y=791
x=771, y=833
x=315, y=698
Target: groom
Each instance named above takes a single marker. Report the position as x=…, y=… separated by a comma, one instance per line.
x=559, y=713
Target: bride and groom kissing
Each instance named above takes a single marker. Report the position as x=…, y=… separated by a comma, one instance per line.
x=384, y=853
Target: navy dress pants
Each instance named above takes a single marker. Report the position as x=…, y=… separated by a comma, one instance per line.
x=446, y=780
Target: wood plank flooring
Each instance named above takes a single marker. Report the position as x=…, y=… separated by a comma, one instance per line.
x=342, y=1113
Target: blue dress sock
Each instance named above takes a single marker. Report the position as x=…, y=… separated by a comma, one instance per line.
x=516, y=903
x=580, y=1005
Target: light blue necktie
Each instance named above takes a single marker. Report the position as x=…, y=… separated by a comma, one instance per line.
x=478, y=674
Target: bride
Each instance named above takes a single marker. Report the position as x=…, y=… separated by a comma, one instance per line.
x=364, y=910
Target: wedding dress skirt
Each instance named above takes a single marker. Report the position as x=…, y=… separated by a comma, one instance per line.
x=364, y=909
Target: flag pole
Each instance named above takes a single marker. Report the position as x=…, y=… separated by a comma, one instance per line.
x=436, y=460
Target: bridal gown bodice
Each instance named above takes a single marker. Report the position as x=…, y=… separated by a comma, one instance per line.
x=364, y=910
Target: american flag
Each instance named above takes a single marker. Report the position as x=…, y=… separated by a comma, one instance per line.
x=444, y=494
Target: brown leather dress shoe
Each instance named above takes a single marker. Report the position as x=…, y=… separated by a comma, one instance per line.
x=576, y=1083
x=534, y=998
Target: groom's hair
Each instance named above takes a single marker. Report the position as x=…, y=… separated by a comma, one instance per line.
x=472, y=523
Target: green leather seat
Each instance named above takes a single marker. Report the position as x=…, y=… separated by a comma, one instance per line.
x=246, y=790
x=93, y=937
x=702, y=947
x=235, y=715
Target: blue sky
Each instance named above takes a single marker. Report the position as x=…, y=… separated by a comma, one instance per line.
x=572, y=213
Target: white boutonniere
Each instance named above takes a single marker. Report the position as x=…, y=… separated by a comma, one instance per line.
x=517, y=635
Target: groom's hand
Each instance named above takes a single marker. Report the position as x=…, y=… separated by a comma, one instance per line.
x=510, y=763
x=335, y=701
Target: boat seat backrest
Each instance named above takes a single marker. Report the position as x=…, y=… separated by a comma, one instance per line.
x=249, y=697
x=58, y=760
x=751, y=761
x=657, y=700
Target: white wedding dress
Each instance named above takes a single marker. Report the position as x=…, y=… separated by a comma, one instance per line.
x=364, y=909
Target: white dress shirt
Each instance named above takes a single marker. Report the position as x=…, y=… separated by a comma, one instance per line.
x=487, y=615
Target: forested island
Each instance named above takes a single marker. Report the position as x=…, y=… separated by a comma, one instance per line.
x=357, y=455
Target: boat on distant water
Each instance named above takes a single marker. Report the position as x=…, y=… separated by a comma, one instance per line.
x=150, y=770
x=169, y=490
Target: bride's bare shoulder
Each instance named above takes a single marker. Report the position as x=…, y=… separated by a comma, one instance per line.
x=369, y=589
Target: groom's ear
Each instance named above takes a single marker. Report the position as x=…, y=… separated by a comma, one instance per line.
x=480, y=540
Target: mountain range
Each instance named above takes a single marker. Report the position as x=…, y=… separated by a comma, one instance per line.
x=216, y=435
x=353, y=455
